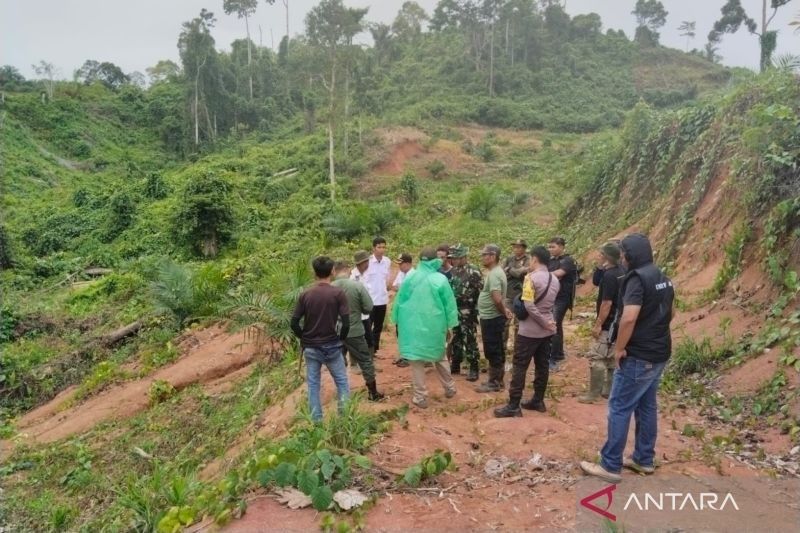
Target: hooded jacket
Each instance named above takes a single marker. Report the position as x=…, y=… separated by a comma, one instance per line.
x=424, y=310
x=646, y=285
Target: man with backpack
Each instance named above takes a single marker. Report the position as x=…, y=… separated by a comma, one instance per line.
x=607, y=277
x=643, y=345
x=536, y=326
x=564, y=268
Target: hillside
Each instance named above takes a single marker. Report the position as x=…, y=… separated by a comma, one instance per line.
x=153, y=241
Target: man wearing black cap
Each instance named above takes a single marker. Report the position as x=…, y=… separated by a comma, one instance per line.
x=641, y=331
x=516, y=268
x=565, y=269
x=467, y=283
x=494, y=315
x=404, y=269
x=601, y=354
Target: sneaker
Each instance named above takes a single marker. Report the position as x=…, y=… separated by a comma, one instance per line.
x=422, y=404
x=533, y=405
x=449, y=393
x=630, y=464
x=507, y=411
x=597, y=470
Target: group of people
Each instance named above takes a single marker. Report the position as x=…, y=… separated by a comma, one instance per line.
x=440, y=304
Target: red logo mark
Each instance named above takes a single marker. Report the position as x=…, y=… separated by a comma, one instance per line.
x=586, y=502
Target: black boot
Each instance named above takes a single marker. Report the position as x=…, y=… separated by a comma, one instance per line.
x=508, y=411
x=374, y=395
x=455, y=367
x=494, y=383
x=534, y=404
x=473, y=372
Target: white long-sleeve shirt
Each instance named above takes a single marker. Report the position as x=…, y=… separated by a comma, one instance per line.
x=375, y=279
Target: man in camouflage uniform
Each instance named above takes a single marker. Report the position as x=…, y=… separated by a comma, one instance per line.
x=516, y=268
x=467, y=283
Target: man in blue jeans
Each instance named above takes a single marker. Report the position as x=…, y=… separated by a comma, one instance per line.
x=643, y=347
x=320, y=307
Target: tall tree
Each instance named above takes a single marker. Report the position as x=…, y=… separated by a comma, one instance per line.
x=734, y=16
x=286, y=8
x=331, y=26
x=163, y=70
x=49, y=73
x=687, y=29
x=196, y=47
x=407, y=25
x=243, y=9
x=650, y=17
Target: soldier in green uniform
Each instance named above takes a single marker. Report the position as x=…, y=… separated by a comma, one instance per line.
x=467, y=282
x=516, y=268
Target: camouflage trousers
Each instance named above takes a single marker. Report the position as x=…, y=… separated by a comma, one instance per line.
x=465, y=338
x=601, y=354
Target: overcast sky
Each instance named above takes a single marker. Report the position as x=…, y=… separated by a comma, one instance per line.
x=136, y=34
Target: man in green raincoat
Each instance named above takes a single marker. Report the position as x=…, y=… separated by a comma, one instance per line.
x=425, y=313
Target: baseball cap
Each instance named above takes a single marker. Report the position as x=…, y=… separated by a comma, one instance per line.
x=403, y=258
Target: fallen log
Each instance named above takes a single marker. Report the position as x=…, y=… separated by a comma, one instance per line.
x=110, y=339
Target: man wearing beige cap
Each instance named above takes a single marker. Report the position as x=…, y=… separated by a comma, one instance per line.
x=494, y=315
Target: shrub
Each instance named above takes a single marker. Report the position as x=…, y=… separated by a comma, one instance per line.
x=155, y=186
x=121, y=214
x=6, y=260
x=436, y=168
x=409, y=189
x=481, y=202
x=204, y=219
x=186, y=294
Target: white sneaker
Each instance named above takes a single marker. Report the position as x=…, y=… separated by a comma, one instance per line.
x=597, y=470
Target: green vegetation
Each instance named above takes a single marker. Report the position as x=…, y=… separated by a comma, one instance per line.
x=201, y=198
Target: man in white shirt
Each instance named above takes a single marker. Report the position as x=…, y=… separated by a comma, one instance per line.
x=376, y=280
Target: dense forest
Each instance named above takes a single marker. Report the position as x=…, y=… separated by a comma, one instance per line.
x=140, y=211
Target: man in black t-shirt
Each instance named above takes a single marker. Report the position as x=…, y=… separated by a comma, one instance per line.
x=320, y=307
x=601, y=355
x=565, y=269
x=641, y=330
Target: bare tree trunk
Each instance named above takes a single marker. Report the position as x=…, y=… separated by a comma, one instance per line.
x=196, y=119
x=508, y=23
x=491, y=62
x=249, y=56
x=346, y=109
x=331, y=111
x=360, y=142
x=260, y=37
x=286, y=5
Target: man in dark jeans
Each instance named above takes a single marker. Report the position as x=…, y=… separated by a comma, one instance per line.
x=643, y=346
x=320, y=307
x=564, y=268
x=539, y=291
x=493, y=315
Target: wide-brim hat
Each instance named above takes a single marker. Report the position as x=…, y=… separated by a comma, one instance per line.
x=360, y=256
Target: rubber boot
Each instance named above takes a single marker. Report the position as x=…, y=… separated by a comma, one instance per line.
x=455, y=367
x=609, y=379
x=374, y=395
x=473, y=372
x=597, y=377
